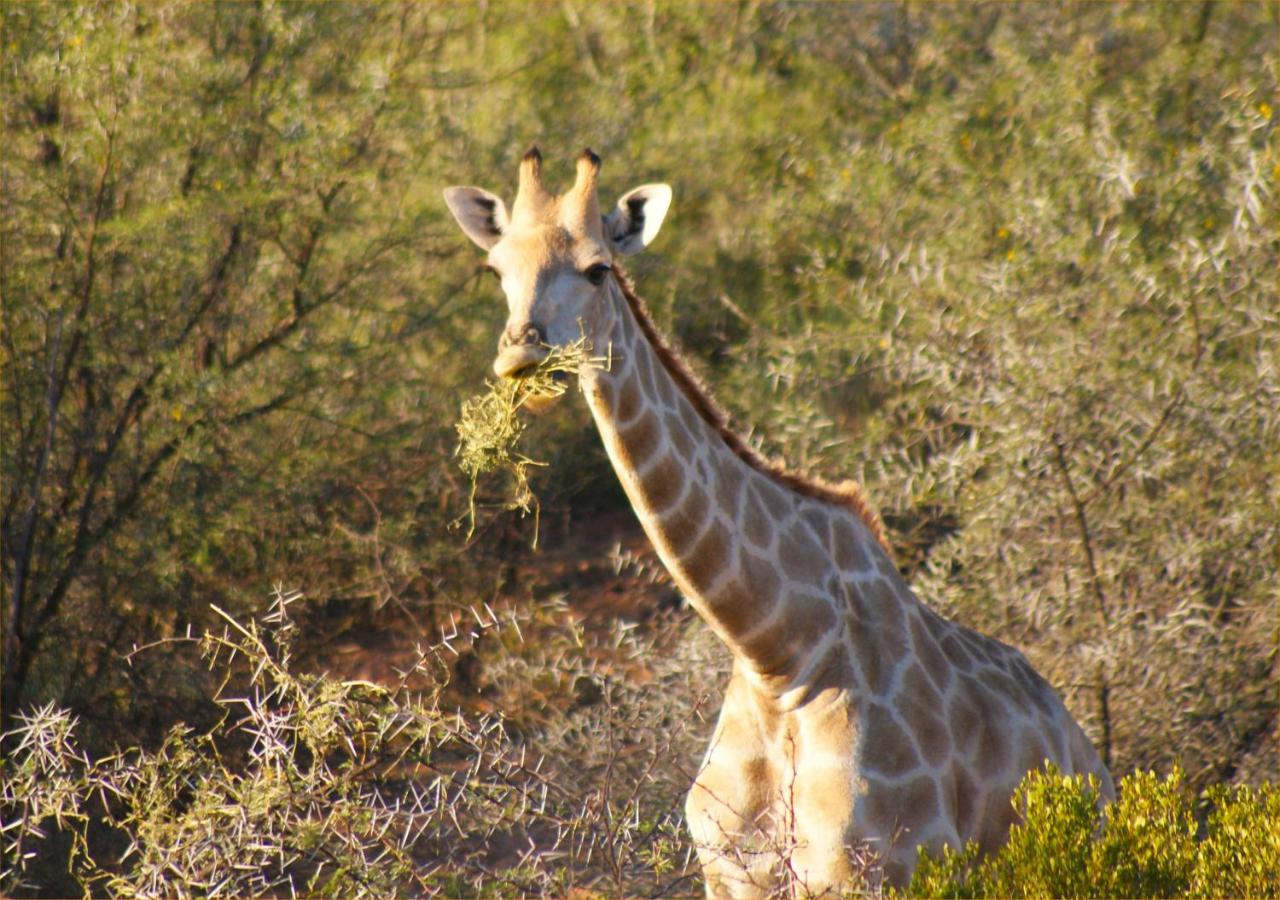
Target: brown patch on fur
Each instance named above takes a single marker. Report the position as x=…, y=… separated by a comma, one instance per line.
x=758, y=574
x=819, y=520
x=888, y=749
x=965, y=720
x=779, y=502
x=628, y=406
x=847, y=494
x=993, y=832
x=733, y=607
x=640, y=439
x=917, y=804
x=772, y=657
x=729, y=487
x=956, y=652
x=691, y=420
x=802, y=560
x=878, y=644
x=1032, y=754
x=681, y=439
x=663, y=484
x=847, y=548
x=683, y=525
x=929, y=653
x=755, y=522
x=958, y=798
x=887, y=609
x=993, y=751
x=999, y=683
x=709, y=556
x=916, y=694
x=920, y=705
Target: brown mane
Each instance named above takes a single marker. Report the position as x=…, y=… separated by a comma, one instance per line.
x=848, y=494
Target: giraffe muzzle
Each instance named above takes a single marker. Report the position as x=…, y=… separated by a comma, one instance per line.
x=520, y=349
x=518, y=360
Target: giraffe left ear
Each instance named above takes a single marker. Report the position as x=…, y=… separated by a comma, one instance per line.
x=634, y=223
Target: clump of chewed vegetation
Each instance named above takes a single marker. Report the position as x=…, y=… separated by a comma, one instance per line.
x=1010, y=266
x=490, y=425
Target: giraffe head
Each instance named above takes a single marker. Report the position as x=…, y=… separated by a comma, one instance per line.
x=554, y=254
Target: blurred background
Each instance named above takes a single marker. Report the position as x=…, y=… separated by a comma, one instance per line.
x=1013, y=266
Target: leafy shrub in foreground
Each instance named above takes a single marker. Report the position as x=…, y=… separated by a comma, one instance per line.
x=1146, y=845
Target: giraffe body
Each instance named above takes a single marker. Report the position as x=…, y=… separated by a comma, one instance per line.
x=858, y=724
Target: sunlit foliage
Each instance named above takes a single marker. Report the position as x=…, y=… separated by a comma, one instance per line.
x=1145, y=845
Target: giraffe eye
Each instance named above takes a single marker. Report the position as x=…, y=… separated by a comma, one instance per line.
x=596, y=274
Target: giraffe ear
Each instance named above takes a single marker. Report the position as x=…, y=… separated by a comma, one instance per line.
x=634, y=223
x=482, y=215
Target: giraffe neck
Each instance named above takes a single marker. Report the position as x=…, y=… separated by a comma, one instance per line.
x=734, y=539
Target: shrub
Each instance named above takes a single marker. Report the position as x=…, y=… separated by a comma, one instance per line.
x=1146, y=844
x=569, y=776
x=316, y=786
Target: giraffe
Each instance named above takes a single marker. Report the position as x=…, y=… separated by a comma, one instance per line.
x=856, y=720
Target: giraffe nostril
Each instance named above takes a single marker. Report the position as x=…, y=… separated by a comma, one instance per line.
x=528, y=336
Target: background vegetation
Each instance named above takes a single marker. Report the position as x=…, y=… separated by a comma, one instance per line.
x=1012, y=266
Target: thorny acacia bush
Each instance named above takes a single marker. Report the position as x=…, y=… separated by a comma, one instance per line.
x=316, y=786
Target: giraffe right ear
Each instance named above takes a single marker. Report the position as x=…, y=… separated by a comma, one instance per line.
x=482, y=215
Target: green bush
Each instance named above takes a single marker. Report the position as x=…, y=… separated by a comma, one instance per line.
x=1146, y=844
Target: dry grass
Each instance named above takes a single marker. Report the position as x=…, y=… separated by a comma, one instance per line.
x=572, y=779
x=490, y=427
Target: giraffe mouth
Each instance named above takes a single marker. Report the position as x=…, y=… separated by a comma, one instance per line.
x=536, y=392
x=519, y=360
x=537, y=404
